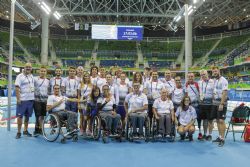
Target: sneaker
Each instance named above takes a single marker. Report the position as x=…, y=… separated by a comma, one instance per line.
x=18, y=135
x=200, y=136
x=204, y=137
x=190, y=137
x=88, y=133
x=209, y=138
x=135, y=135
x=217, y=140
x=36, y=133
x=182, y=137
x=26, y=133
x=141, y=137
x=221, y=143
x=168, y=136
x=159, y=136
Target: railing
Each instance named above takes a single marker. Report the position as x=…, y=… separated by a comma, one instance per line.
x=166, y=39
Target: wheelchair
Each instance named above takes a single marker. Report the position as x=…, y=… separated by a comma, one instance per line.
x=98, y=129
x=55, y=125
x=155, y=132
x=129, y=130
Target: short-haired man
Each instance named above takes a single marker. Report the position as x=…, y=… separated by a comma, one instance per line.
x=219, y=108
x=25, y=98
x=41, y=84
x=57, y=80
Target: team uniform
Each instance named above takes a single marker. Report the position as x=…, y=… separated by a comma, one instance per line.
x=135, y=102
x=185, y=117
x=164, y=109
x=41, y=96
x=85, y=91
x=123, y=90
x=71, y=86
x=220, y=85
x=105, y=112
x=169, y=85
x=177, y=96
x=27, y=96
x=206, y=96
x=55, y=81
x=60, y=110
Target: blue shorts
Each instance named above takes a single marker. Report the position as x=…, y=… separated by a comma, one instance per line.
x=24, y=109
x=121, y=111
x=93, y=113
x=71, y=106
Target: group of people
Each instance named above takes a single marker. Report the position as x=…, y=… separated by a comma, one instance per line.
x=117, y=98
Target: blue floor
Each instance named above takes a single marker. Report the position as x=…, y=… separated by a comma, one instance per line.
x=29, y=152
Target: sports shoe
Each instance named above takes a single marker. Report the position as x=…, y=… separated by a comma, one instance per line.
x=36, y=133
x=26, y=133
x=217, y=140
x=141, y=137
x=182, y=137
x=88, y=133
x=209, y=138
x=204, y=137
x=221, y=143
x=18, y=135
x=190, y=137
x=159, y=136
x=200, y=136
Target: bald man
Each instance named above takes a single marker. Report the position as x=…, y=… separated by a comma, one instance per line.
x=25, y=98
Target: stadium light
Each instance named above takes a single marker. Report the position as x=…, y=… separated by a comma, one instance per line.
x=45, y=8
x=57, y=15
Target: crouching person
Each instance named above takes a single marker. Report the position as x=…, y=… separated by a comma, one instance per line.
x=185, y=119
x=56, y=104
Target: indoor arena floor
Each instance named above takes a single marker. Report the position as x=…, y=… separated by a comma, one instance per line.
x=28, y=152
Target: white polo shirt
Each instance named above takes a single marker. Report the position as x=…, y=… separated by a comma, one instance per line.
x=206, y=89
x=108, y=106
x=41, y=88
x=71, y=86
x=52, y=99
x=193, y=91
x=123, y=92
x=85, y=90
x=169, y=85
x=177, y=95
x=163, y=107
x=185, y=117
x=55, y=81
x=220, y=85
x=136, y=101
x=26, y=85
x=154, y=89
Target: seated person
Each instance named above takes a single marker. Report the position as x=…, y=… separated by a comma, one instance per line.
x=136, y=106
x=56, y=104
x=107, y=110
x=91, y=110
x=163, y=110
x=186, y=115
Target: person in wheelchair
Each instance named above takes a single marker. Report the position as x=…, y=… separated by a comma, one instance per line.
x=136, y=106
x=163, y=110
x=107, y=111
x=56, y=104
x=186, y=115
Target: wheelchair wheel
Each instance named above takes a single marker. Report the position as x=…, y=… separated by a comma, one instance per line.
x=96, y=128
x=51, y=127
x=147, y=129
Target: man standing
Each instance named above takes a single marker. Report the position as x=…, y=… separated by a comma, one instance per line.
x=57, y=80
x=169, y=82
x=25, y=98
x=219, y=108
x=69, y=87
x=41, y=94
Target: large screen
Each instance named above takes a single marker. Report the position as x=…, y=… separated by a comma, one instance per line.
x=116, y=32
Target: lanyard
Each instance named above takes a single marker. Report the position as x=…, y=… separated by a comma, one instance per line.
x=169, y=84
x=41, y=83
x=85, y=90
x=217, y=83
x=205, y=87
x=60, y=81
x=192, y=89
x=28, y=79
x=70, y=85
x=152, y=86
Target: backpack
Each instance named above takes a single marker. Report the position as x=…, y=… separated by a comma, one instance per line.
x=247, y=133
